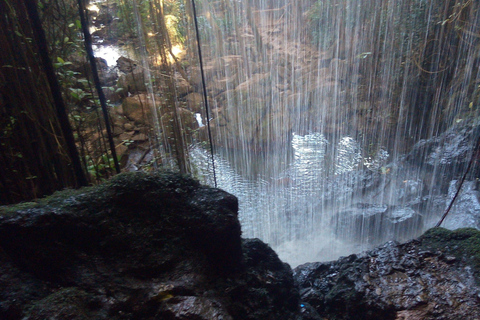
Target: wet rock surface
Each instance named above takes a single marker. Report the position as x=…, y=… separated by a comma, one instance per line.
x=142, y=246
x=401, y=199
x=161, y=246
x=434, y=277
x=466, y=210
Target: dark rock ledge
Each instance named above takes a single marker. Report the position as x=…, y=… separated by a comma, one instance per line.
x=138, y=247
x=433, y=277
x=161, y=246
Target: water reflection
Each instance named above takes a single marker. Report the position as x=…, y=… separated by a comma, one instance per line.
x=284, y=205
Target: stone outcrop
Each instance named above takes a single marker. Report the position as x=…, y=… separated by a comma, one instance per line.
x=401, y=199
x=135, y=122
x=161, y=246
x=434, y=277
x=126, y=65
x=141, y=246
x=138, y=108
x=133, y=82
x=447, y=153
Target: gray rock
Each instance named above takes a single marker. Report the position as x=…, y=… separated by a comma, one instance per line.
x=133, y=82
x=126, y=65
x=465, y=212
x=435, y=277
x=142, y=246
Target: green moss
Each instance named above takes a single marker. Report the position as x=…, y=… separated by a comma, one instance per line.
x=66, y=303
x=136, y=185
x=11, y=209
x=61, y=200
x=159, y=182
x=461, y=243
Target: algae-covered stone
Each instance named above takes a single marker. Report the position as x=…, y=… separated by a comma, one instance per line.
x=141, y=246
x=463, y=244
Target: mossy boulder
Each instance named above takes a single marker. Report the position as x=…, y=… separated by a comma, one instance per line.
x=141, y=246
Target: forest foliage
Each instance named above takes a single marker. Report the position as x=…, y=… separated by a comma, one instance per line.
x=434, y=41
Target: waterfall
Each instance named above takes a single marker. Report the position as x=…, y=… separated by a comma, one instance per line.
x=315, y=101
x=339, y=124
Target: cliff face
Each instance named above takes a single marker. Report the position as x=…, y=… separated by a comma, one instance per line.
x=138, y=247
x=434, y=277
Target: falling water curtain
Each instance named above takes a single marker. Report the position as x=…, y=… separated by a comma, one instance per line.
x=37, y=150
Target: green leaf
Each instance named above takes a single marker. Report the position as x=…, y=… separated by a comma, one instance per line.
x=71, y=25
x=18, y=33
x=78, y=24
x=75, y=95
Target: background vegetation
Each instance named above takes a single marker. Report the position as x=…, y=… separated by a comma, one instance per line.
x=434, y=61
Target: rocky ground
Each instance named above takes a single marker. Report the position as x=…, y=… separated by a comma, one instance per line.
x=434, y=277
x=161, y=246
x=139, y=247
